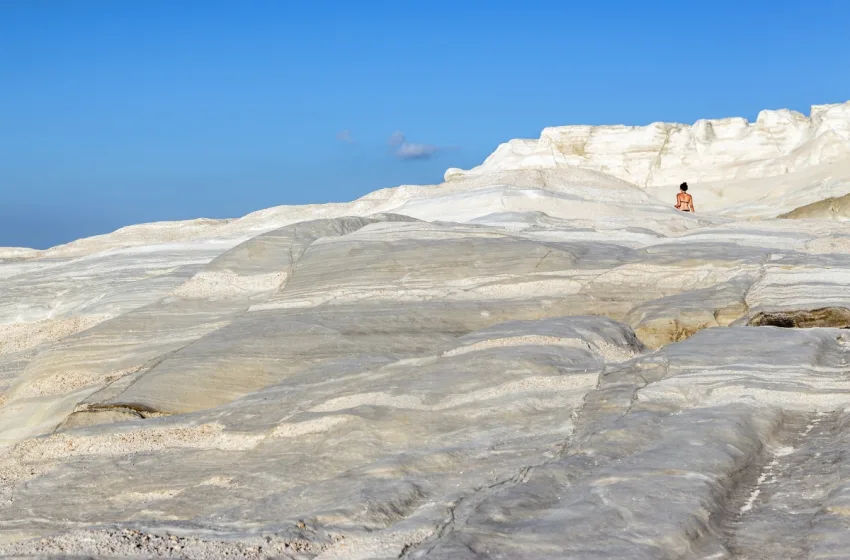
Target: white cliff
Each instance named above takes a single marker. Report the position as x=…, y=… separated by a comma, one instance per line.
x=778, y=142
x=662, y=155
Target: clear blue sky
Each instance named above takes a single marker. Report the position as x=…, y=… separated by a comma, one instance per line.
x=120, y=112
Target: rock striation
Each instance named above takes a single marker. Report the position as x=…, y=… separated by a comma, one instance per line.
x=538, y=358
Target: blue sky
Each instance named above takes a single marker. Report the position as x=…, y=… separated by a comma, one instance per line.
x=115, y=113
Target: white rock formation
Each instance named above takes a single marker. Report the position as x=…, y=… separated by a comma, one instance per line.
x=708, y=154
x=778, y=142
x=537, y=358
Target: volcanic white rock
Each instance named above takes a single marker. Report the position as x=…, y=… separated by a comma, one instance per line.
x=538, y=358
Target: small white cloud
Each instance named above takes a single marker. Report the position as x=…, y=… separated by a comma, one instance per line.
x=416, y=151
x=345, y=136
x=408, y=150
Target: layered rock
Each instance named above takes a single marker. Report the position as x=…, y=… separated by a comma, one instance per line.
x=527, y=361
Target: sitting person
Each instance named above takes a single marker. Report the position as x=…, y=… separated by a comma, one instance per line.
x=684, y=201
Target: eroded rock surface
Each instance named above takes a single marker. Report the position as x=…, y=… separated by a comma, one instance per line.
x=831, y=208
x=535, y=359
x=832, y=317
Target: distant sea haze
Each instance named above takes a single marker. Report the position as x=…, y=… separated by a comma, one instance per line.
x=31, y=227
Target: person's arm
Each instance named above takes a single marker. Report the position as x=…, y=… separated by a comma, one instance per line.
x=692, y=205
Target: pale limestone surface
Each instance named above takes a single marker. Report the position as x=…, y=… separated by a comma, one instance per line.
x=777, y=143
x=527, y=361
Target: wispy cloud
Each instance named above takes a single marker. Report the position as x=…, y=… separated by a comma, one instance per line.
x=408, y=150
x=345, y=136
x=396, y=139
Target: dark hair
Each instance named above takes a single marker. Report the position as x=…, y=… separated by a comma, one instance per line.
x=684, y=186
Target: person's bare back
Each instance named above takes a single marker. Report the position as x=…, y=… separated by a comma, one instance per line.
x=684, y=201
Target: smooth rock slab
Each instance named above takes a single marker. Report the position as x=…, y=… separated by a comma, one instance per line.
x=344, y=452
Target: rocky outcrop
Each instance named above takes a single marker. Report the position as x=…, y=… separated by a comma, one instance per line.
x=829, y=209
x=782, y=161
x=778, y=142
x=518, y=363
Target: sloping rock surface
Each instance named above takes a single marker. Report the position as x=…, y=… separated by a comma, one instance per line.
x=531, y=360
x=831, y=208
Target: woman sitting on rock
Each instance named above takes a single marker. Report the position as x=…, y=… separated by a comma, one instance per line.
x=684, y=201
